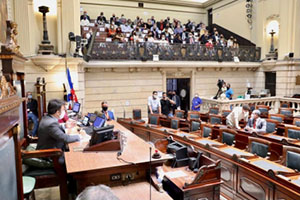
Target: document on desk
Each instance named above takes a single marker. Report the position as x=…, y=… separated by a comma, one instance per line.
x=175, y=174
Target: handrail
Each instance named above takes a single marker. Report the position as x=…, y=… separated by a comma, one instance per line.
x=272, y=102
x=166, y=51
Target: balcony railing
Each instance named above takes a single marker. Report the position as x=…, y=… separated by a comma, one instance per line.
x=182, y=52
x=273, y=102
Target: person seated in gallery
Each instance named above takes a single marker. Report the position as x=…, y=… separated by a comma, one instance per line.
x=256, y=123
x=97, y=192
x=85, y=16
x=107, y=114
x=112, y=31
x=101, y=19
x=52, y=134
x=119, y=36
x=236, y=115
x=84, y=19
x=32, y=112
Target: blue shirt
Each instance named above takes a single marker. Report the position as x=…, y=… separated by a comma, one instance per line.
x=110, y=114
x=229, y=93
x=196, y=101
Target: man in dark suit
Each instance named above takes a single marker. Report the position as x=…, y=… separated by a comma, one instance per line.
x=85, y=16
x=52, y=134
x=256, y=123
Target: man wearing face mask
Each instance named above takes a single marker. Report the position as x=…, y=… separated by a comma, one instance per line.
x=107, y=114
x=256, y=123
x=196, y=103
x=154, y=106
x=32, y=111
x=52, y=134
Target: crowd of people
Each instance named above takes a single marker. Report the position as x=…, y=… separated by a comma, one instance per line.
x=120, y=29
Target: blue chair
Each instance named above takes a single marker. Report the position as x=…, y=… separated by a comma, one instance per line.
x=193, y=115
x=271, y=126
x=175, y=123
x=154, y=119
x=296, y=122
x=227, y=136
x=213, y=110
x=179, y=113
x=292, y=132
x=264, y=110
x=277, y=117
x=291, y=157
x=206, y=130
x=288, y=112
x=215, y=119
x=259, y=147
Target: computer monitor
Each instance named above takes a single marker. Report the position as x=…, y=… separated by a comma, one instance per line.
x=85, y=121
x=99, y=122
x=102, y=134
x=76, y=107
x=92, y=117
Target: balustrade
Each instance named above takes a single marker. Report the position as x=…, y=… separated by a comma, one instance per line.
x=273, y=102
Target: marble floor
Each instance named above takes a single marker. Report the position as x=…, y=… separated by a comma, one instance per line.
x=52, y=193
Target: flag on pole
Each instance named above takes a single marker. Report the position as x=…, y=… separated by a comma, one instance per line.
x=71, y=95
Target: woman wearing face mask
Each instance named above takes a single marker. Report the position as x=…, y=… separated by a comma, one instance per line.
x=107, y=114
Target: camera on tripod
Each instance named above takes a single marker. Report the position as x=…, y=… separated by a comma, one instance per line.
x=80, y=43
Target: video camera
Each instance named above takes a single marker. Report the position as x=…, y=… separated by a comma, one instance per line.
x=220, y=83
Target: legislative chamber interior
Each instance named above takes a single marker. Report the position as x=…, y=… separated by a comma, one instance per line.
x=156, y=99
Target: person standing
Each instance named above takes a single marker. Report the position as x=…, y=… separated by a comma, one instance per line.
x=166, y=105
x=196, y=102
x=236, y=115
x=154, y=106
x=229, y=92
x=32, y=112
x=176, y=99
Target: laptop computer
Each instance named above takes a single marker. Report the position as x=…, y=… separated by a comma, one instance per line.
x=76, y=107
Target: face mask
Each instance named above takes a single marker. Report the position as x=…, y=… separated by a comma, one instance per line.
x=104, y=108
x=30, y=96
x=62, y=114
x=154, y=96
x=196, y=96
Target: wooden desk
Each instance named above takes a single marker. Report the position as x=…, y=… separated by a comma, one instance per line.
x=90, y=168
x=244, y=178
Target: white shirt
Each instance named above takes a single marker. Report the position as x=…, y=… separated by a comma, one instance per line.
x=236, y=115
x=154, y=103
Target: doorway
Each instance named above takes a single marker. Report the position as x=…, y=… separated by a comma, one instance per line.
x=209, y=17
x=182, y=87
x=270, y=82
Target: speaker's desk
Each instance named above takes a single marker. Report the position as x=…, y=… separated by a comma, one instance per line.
x=92, y=168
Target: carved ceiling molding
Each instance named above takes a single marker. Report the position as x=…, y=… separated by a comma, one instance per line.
x=273, y=17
